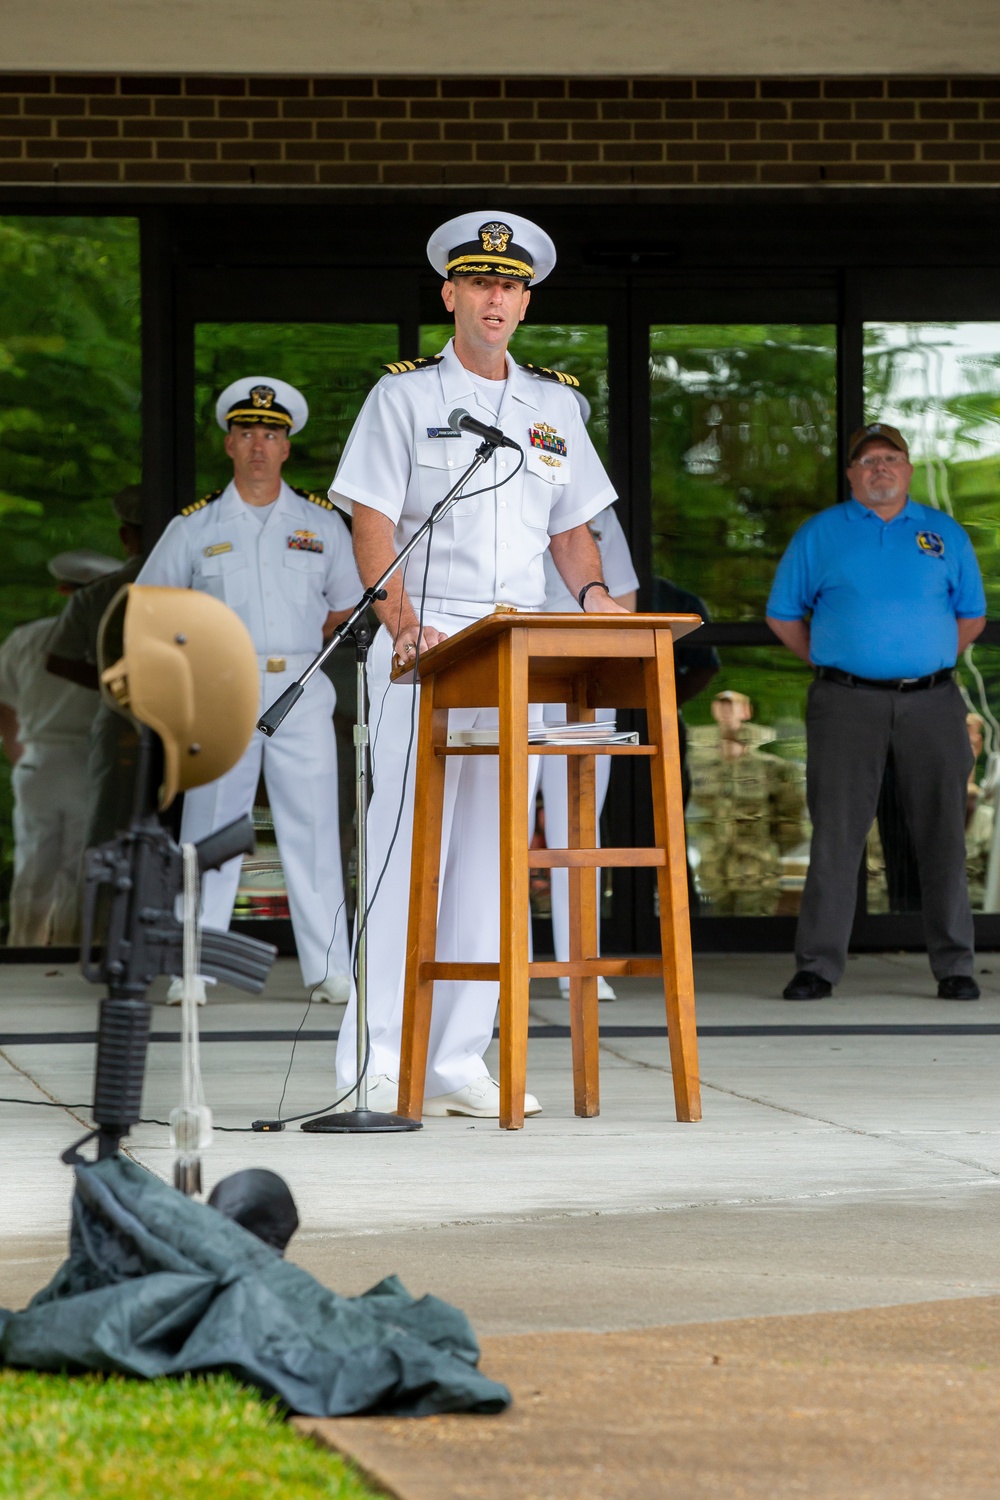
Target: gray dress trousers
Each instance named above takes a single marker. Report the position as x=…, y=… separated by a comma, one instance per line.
x=849, y=733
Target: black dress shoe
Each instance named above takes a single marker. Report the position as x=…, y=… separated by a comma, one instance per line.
x=958, y=987
x=805, y=985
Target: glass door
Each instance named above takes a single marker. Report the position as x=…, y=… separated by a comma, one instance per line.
x=70, y=425
x=939, y=384
x=743, y=424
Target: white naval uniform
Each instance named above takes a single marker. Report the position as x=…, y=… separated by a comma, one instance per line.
x=488, y=550
x=281, y=568
x=51, y=794
x=620, y=577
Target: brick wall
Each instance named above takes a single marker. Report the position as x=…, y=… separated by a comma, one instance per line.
x=542, y=131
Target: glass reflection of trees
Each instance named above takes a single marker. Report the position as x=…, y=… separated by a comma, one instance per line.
x=70, y=433
x=939, y=383
x=743, y=449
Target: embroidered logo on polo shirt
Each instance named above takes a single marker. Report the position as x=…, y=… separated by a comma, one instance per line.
x=305, y=541
x=931, y=543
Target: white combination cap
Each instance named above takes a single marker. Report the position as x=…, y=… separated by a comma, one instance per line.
x=262, y=401
x=485, y=244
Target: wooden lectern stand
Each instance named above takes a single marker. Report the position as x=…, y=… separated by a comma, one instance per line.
x=507, y=661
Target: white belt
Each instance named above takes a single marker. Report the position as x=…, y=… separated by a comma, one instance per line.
x=295, y=661
x=475, y=607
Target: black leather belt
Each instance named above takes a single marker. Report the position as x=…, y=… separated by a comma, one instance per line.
x=889, y=684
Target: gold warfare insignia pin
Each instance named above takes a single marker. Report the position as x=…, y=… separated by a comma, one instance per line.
x=931, y=543
x=305, y=541
x=496, y=236
x=262, y=396
x=547, y=439
x=218, y=547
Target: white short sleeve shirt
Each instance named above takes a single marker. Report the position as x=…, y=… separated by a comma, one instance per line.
x=616, y=564
x=282, y=571
x=402, y=458
x=50, y=710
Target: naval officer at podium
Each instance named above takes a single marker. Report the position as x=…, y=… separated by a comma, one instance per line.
x=401, y=459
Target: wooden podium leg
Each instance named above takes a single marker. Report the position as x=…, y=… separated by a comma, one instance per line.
x=425, y=875
x=514, y=910
x=583, y=936
x=675, y=925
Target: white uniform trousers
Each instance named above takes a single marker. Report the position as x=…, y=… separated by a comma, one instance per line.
x=468, y=927
x=51, y=813
x=300, y=772
x=555, y=798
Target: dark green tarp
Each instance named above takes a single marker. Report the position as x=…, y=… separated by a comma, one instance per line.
x=157, y=1284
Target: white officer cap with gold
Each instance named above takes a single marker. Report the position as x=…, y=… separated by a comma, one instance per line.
x=485, y=244
x=262, y=401
x=82, y=566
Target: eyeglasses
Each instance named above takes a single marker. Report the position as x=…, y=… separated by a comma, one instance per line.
x=891, y=460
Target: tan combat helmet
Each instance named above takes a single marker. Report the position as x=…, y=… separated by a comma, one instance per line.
x=182, y=663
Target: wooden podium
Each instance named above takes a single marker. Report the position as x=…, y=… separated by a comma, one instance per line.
x=507, y=661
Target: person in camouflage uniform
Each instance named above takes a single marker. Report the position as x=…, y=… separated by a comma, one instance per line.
x=747, y=809
x=980, y=812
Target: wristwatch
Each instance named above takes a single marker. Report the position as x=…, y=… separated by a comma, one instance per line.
x=598, y=583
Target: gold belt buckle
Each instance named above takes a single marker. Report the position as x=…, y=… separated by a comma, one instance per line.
x=274, y=664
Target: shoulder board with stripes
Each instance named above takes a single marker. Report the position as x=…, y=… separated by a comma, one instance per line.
x=313, y=498
x=189, y=510
x=404, y=366
x=559, y=376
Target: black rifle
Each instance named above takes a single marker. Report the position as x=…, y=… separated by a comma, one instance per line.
x=131, y=887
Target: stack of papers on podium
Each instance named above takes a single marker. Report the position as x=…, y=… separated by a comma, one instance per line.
x=603, y=732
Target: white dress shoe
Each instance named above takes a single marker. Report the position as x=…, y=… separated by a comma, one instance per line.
x=383, y=1095
x=336, y=988
x=175, y=991
x=604, y=990
x=480, y=1098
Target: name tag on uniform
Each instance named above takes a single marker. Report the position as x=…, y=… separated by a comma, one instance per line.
x=931, y=543
x=218, y=547
x=305, y=541
x=443, y=432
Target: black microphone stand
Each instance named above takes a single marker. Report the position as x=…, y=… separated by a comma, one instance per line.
x=362, y=1118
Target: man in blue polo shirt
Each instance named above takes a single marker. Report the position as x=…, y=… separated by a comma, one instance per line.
x=880, y=595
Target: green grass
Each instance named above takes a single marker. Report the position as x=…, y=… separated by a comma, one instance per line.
x=63, y=1438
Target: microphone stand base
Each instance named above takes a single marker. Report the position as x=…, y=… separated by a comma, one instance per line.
x=356, y=1121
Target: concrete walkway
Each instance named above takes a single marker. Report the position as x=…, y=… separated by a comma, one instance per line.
x=831, y=1170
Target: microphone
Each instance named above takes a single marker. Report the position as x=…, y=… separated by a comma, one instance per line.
x=462, y=422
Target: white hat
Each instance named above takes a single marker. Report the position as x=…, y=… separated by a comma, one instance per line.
x=262, y=401
x=485, y=244
x=82, y=566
